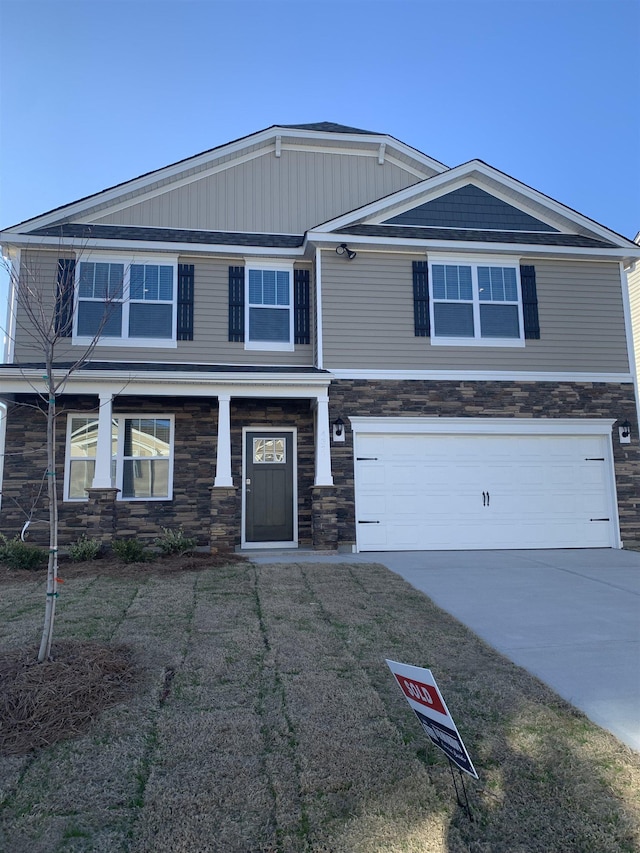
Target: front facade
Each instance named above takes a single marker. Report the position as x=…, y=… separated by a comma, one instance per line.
x=317, y=336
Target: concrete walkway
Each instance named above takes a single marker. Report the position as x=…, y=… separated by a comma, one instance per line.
x=570, y=617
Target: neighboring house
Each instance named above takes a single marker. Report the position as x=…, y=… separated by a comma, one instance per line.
x=318, y=336
x=633, y=275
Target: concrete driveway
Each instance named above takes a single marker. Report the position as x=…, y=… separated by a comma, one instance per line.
x=570, y=617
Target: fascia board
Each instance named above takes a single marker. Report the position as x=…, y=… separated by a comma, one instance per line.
x=360, y=242
x=138, y=246
x=74, y=209
x=555, y=206
x=438, y=185
x=361, y=213
x=172, y=383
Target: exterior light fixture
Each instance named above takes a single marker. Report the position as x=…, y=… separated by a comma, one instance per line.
x=338, y=430
x=624, y=432
x=343, y=249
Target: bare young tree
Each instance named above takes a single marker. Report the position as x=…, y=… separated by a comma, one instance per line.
x=41, y=312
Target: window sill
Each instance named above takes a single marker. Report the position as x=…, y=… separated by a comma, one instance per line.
x=477, y=342
x=266, y=346
x=154, y=343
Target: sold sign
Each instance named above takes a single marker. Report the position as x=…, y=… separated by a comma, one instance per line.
x=425, y=694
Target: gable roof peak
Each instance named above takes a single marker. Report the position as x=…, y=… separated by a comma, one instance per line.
x=330, y=127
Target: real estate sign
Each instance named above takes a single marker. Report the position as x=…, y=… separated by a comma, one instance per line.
x=421, y=692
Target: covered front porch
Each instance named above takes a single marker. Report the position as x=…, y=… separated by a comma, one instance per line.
x=225, y=445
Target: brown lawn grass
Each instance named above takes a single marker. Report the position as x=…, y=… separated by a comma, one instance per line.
x=265, y=720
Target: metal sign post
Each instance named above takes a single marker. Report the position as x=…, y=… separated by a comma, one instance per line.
x=425, y=700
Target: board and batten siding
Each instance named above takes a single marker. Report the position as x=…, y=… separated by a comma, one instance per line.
x=368, y=320
x=210, y=344
x=274, y=195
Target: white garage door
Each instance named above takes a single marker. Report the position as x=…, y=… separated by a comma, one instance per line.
x=431, y=492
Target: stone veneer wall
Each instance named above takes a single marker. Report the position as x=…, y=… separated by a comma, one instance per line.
x=390, y=398
x=194, y=467
x=193, y=475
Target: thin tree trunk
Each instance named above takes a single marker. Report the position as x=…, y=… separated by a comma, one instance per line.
x=52, y=569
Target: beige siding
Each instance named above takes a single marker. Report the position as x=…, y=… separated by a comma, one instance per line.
x=368, y=320
x=275, y=195
x=210, y=344
x=634, y=294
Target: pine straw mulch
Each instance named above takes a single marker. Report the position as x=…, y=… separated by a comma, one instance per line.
x=110, y=566
x=42, y=703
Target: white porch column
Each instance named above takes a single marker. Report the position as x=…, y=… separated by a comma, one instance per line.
x=223, y=457
x=102, y=473
x=323, y=447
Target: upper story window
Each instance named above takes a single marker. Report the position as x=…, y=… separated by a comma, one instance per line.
x=269, y=306
x=126, y=302
x=475, y=303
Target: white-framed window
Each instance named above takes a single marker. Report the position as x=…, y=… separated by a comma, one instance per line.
x=269, y=306
x=475, y=302
x=141, y=456
x=127, y=302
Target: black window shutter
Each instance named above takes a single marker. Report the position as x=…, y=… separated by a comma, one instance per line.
x=236, y=303
x=421, y=299
x=529, y=302
x=301, y=306
x=64, y=297
x=185, y=302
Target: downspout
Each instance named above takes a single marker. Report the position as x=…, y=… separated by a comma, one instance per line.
x=319, y=349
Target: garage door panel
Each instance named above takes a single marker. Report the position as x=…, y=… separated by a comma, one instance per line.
x=482, y=491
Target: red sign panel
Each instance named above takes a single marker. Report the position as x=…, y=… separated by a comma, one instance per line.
x=425, y=694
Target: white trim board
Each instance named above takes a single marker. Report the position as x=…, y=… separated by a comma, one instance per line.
x=479, y=375
x=482, y=426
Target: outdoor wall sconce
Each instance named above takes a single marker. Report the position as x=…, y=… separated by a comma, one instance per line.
x=338, y=430
x=624, y=431
x=343, y=249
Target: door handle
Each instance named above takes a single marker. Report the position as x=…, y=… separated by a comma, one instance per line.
x=484, y=499
x=488, y=498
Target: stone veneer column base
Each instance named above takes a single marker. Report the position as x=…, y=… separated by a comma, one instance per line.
x=102, y=514
x=324, y=518
x=224, y=527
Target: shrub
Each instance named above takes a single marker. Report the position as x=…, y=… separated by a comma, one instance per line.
x=174, y=541
x=18, y=555
x=85, y=549
x=130, y=550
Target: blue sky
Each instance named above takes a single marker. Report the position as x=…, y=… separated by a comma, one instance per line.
x=94, y=92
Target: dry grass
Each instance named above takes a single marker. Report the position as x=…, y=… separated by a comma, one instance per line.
x=266, y=721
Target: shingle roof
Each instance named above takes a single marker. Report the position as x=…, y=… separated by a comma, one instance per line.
x=170, y=235
x=168, y=367
x=329, y=127
x=476, y=236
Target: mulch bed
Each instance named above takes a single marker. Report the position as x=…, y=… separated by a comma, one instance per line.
x=42, y=703
x=112, y=567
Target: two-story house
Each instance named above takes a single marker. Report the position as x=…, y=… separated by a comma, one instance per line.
x=318, y=336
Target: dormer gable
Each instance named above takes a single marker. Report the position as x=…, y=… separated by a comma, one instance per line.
x=470, y=206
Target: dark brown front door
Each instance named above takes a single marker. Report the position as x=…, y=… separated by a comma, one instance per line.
x=269, y=471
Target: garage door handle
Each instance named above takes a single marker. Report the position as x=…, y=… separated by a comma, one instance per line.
x=488, y=498
x=485, y=498
x=368, y=522
x=599, y=519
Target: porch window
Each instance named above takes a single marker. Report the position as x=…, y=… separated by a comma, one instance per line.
x=141, y=462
